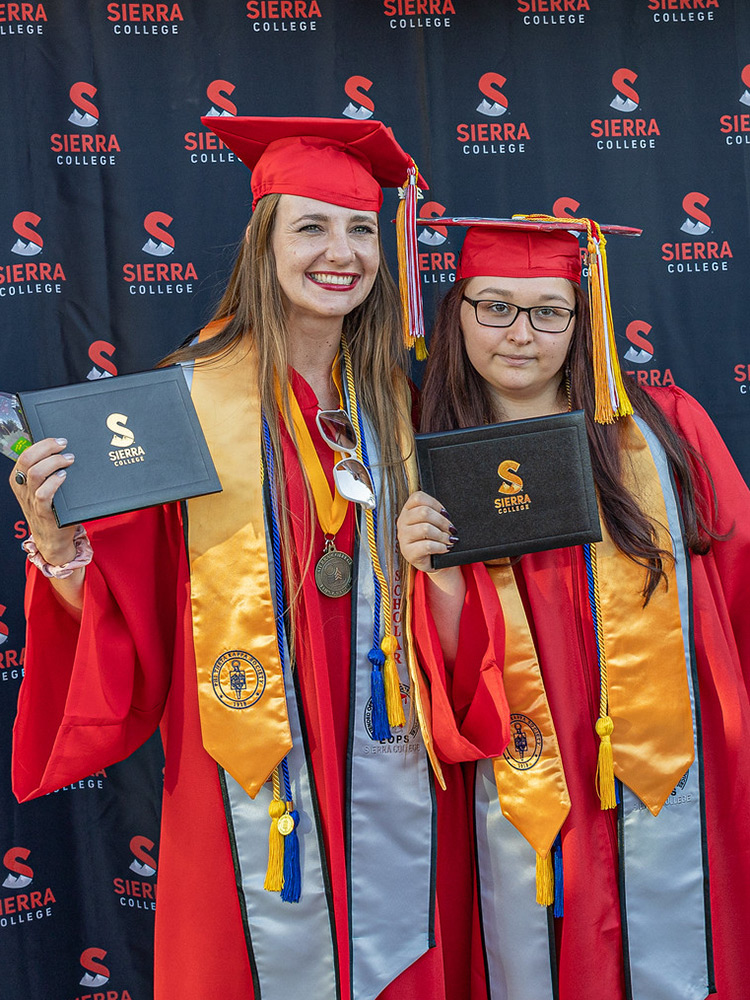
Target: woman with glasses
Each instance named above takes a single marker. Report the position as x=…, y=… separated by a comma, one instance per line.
x=260, y=626
x=611, y=834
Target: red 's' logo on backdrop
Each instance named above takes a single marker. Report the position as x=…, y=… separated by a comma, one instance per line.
x=160, y=242
x=626, y=97
x=162, y=278
x=143, y=862
x=205, y=146
x=493, y=136
x=360, y=105
x=30, y=277
x=18, y=907
x=3, y=626
x=29, y=242
x=86, y=149
x=494, y=102
x=144, y=18
x=736, y=127
x=566, y=207
x=218, y=92
x=19, y=873
x=85, y=113
x=138, y=893
x=625, y=132
x=432, y=236
x=696, y=255
x=96, y=973
x=435, y=266
x=283, y=15
x=100, y=355
x=641, y=352
x=641, y=349
x=418, y=13
x=697, y=222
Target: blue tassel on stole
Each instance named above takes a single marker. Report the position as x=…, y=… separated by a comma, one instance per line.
x=292, y=875
x=380, y=728
x=557, y=865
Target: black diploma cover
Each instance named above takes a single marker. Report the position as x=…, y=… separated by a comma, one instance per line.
x=136, y=439
x=512, y=488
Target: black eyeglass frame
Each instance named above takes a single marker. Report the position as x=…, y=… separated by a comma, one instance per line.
x=519, y=309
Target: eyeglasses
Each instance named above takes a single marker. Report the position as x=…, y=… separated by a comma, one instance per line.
x=352, y=478
x=544, y=319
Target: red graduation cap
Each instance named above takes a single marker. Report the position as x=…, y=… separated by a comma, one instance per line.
x=335, y=160
x=342, y=162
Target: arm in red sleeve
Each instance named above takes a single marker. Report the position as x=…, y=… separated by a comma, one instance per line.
x=470, y=717
x=92, y=693
x=724, y=570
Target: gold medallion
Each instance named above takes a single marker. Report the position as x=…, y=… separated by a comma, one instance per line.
x=334, y=571
x=285, y=824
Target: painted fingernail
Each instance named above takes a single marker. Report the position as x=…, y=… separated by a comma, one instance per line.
x=454, y=538
x=445, y=513
x=453, y=529
x=61, y=473
x=62, y=441
x=69, y=456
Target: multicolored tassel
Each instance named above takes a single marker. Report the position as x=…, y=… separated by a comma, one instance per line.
x=408, y=264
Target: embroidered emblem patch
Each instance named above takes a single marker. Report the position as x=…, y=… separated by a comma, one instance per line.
x=525, y=747
x=238, y=679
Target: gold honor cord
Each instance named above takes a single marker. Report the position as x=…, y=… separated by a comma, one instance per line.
x=389, y=643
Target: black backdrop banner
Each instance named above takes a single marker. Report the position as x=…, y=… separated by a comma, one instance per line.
x=119, y=218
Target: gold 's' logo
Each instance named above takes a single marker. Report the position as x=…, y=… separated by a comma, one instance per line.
x=122, y=437
x=512, y=496
x=511, y=483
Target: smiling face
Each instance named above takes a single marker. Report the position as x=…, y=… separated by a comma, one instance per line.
x=327, y=258
x=520, y=364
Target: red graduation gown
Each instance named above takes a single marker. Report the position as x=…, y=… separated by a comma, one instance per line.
x=554, y=588
x=91, y=695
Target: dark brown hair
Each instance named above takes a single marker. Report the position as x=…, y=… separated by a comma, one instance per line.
x=455, y=395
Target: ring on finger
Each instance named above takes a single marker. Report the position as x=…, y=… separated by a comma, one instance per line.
x=20, y=478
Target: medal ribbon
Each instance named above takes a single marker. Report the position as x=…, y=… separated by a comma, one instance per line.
x=244, y=720
x=330, y=509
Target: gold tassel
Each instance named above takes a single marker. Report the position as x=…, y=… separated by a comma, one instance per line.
x=605, y=767
x=274, y=880
x=421, y=349
x=393, y=703
x=545, y=880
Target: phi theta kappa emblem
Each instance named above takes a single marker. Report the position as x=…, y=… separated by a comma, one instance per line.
x=238, y=679
x=525, y=747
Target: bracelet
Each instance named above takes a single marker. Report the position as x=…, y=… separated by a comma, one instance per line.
x=83, y=556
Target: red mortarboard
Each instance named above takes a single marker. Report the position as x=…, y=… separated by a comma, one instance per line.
x=533, y=246
x=341, y=162
x=335, y=160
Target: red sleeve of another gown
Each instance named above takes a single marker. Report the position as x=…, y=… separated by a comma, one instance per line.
x=725, y=568
x=470, y=717
x=93, y=693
